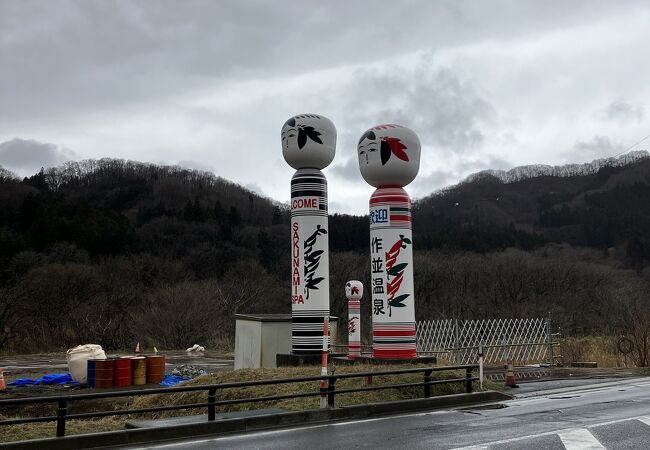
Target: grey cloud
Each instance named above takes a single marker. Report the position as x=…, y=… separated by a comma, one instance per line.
x=426, y=184
x=598, y=147
x=625, y=111
x=195, y=165
x=349, y=170
x=486, y=162
x=256, y=188
x=27, y=156
x=445, y=110
x=69, y=56
x=429, y=183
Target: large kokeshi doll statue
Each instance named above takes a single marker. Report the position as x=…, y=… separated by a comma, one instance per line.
x=354, y=292
x=389, y=159
x=308, y=145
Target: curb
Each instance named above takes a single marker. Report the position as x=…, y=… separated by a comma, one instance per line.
x=254, y=423
x=580, y=388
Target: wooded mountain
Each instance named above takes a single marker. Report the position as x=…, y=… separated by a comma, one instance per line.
x=600, y=205
x=113, y=251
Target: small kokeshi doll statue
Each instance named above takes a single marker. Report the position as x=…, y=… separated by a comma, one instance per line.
x=309, y=145
x=389, y=159
x=354, y=292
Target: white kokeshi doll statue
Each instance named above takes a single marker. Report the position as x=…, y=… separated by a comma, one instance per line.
x=354, y=292
x=308, y=141
x=389, y=159
x=309, y=145
x=389, y=156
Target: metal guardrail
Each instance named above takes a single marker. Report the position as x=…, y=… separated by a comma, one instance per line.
x=330, y=391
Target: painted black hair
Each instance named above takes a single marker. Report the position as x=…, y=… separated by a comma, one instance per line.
x=368, y=135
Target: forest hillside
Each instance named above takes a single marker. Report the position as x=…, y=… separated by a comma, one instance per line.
x=115, y=251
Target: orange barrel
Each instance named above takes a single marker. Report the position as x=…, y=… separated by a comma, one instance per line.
x=104, y=373
x=138, y=371
x=155, y=369
x=122, y=372
x=90, y=378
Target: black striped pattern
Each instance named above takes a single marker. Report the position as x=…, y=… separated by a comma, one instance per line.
x=309, y=183
x=307, y=325
x=307, y=331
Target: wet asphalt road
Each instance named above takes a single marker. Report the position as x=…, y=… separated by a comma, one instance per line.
x=613, y=415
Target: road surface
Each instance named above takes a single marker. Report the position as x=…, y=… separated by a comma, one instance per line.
x=614, y=415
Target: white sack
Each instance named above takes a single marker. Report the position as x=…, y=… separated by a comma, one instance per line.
x=78, y=360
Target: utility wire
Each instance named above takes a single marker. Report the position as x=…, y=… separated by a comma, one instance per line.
x=632, y=146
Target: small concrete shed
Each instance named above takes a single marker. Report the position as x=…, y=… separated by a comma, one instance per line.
x=259, y=338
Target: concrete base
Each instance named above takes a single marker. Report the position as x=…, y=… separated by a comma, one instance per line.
x=589, y=364
x=429, y=360
x=186, y=420
x=301, y=359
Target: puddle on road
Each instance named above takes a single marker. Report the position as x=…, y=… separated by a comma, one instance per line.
x=476, y=409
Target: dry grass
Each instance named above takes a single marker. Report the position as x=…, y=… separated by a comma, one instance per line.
x=44, y=430
x=301, y=403
x=31, y=431
x=601, y=349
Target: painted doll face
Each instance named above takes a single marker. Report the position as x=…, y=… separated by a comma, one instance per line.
x=354, y=290
x=389, y=155
x=308, y=140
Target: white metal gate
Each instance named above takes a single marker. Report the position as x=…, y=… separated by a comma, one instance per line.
x=525, y=341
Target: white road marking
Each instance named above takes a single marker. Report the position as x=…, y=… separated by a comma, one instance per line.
x=580, y=439
x=506, y=441
x=485, y=445
x=644, y=419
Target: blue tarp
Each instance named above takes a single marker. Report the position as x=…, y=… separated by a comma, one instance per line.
x=51, y=378
x=172, y=380
x=66, y=378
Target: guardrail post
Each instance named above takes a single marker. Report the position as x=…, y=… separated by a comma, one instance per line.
x=480, y=366
x=427, y=386
x=468, y=380
x=212, y=398
x=549, y=340
x=331, y=392
x=60, y=417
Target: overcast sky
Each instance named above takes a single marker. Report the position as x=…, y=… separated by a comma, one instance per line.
x=208, y=84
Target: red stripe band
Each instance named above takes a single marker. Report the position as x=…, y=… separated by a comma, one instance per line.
x=394, y=354
x=396, y=333
x=389, y=199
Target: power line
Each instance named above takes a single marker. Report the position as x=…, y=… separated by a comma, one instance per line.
x=632, y=146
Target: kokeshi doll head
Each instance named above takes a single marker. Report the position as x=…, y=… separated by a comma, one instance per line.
x=389, y=156
x=308, y=141
x=354, y=290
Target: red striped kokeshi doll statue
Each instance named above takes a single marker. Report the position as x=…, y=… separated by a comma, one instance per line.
x=354, y=292
x=389, y=159
x=309, y=145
